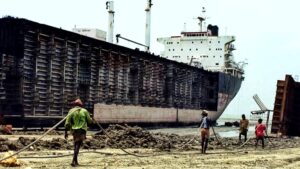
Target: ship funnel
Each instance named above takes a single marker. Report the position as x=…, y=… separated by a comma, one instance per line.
x=111, y=12
x=148, y=23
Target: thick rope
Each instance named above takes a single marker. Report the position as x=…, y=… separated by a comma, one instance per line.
x=26, y=147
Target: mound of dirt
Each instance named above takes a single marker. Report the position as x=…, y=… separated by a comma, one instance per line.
x=119, y=136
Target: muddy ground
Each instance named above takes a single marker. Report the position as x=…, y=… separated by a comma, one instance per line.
x=163, y=150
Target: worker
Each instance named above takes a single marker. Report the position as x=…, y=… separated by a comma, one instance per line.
x=77, y=120
x=5, y=128
x=244, y=123
x=259, y=132
x=204, y=130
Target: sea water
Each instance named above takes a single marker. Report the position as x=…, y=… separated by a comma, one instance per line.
x=221, y=130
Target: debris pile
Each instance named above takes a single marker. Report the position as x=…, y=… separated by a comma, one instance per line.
x=118, y=136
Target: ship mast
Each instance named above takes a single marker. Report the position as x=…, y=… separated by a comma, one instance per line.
x=148, y=22
x=202, y=19
x=111, y=12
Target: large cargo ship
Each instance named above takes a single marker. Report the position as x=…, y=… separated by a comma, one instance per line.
x=206, y=49
x=44, y=68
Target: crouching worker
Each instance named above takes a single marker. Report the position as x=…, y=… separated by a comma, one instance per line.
x=259, y=132
x=204, y=130
x=76, y=122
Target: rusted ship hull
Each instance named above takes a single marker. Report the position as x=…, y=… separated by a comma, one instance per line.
x=228, y=88
x=286, y=108
x=44, y=68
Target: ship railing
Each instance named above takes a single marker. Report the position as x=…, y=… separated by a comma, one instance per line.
x=234, y=71
x=228, y=53
x=231, y=47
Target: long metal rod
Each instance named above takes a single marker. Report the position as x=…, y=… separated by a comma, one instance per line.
x=119, y=36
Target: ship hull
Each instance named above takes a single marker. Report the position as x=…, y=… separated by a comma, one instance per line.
x=43, y=69
x=228, y=88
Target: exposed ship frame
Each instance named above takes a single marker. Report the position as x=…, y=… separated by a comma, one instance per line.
x=44, y=68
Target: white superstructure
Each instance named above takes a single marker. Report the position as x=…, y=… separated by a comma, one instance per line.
x=203, y=49
x=93, y=33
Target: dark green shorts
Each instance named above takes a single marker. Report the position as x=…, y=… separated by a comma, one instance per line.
x=79, y=135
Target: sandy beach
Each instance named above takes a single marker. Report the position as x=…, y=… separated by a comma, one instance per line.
x=156, y=148
x=254, y=159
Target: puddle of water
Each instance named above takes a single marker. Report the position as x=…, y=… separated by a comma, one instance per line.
x=229, y=134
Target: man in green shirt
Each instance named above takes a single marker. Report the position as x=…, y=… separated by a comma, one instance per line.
x=77, y=121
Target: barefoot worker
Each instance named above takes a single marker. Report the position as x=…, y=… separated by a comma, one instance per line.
x=204, y=130
x=76, y=122
x=259, y=132
x=244, y=123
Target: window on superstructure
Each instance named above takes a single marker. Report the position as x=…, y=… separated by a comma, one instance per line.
x=196, y=49
x=169, y=49
x=209, y=49
x=218, y=41
x=177, y=42
x=209, y=41
x=181, y=49
x=192, y=42
x=217, y=64
x=190, y=49
x=173, y=49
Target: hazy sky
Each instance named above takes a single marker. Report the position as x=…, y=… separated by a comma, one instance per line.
x=266, y=31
